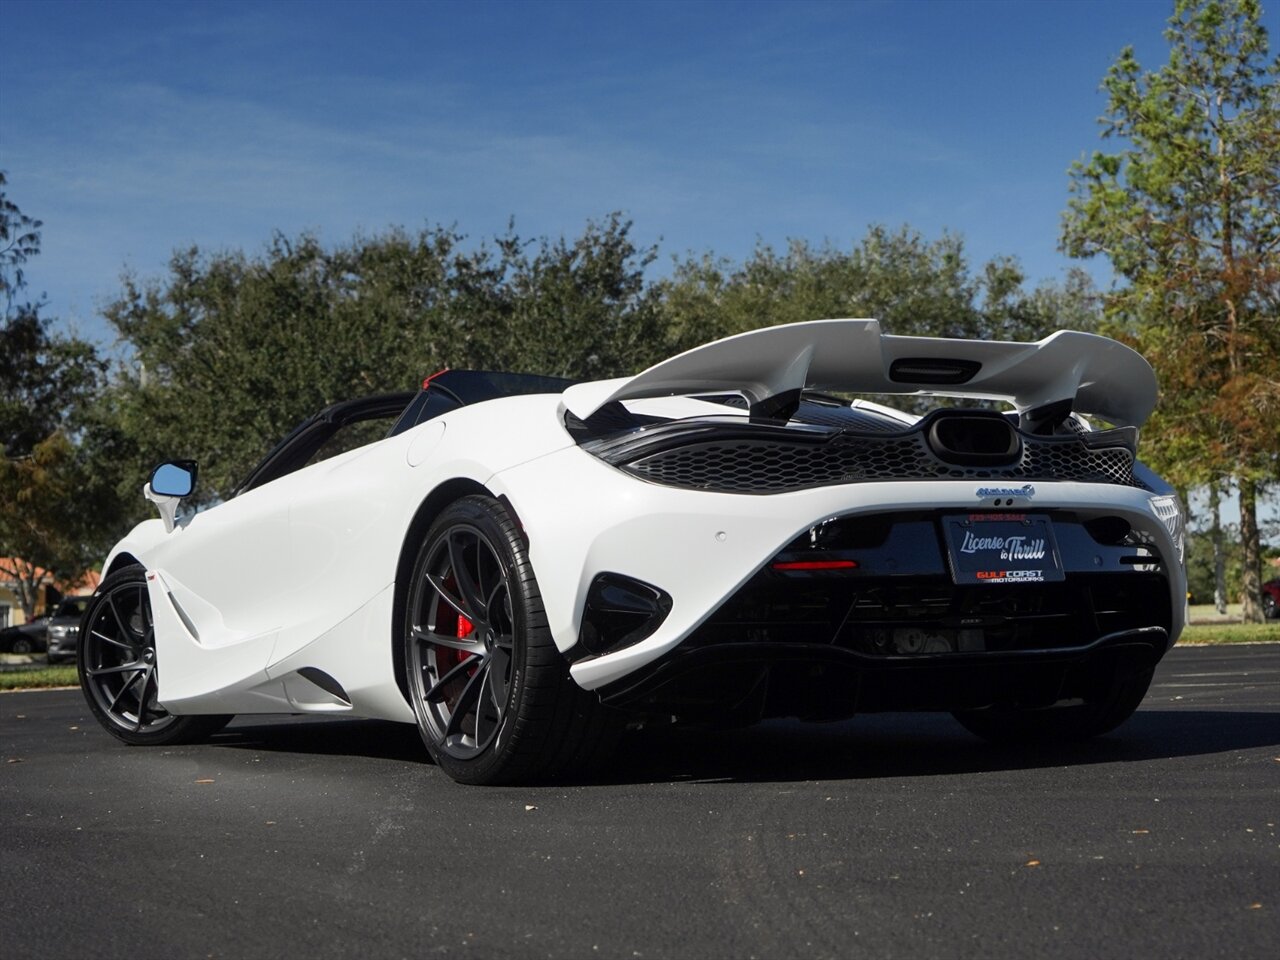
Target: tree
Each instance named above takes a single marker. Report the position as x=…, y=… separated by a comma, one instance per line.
x=19, y=241
x=47, y=526
x=52, y=519
x=230, y=352
x=1188, y=212
x=44, y=379
x=913, y=285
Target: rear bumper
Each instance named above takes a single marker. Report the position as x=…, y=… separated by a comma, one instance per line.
x=873, y=613
x=749, y=681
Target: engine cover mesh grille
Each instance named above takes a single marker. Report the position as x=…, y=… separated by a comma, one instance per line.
x=771, y=466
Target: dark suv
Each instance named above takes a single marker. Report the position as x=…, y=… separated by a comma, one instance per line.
x=26, y=638
x=64, y=628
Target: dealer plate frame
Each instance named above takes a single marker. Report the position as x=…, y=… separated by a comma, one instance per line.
x=1002, y=548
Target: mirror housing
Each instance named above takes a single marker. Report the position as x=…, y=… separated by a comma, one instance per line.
x=170, y=482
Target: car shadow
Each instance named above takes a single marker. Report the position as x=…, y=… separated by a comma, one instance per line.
x=917, y=745
x=868, y=747
x=375, y=739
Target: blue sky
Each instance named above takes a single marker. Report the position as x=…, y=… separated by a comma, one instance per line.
x=133, y=129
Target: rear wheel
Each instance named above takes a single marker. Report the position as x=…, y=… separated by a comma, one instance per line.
x=1077, y=721
x=492, y=694
x=117, y=667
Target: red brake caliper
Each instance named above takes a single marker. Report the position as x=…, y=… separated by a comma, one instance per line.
x=447, y=657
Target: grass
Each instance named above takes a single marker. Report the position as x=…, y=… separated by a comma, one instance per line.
x=1208, y=613
x=1207, y=633
x=43, y=677
x=39, y=677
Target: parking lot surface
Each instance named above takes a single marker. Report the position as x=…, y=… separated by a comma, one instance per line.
x=887, y=836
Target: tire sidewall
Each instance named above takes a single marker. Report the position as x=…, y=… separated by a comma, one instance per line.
x=491, y=521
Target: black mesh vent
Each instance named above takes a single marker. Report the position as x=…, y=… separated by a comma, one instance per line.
x=770, y=466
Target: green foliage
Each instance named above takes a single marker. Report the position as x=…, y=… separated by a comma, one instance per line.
x=1188, y=212
x=913, y=285
x=230, y=352
x=45, y=380
x=1200, y=578
x=46, y=521
x=56, y=514
x=19, y=241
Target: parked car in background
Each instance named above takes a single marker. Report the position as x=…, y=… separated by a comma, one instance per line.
x=64, y=628
x=1271, y=599
x=25, y=638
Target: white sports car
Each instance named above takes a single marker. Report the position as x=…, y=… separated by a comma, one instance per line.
x=521, y=565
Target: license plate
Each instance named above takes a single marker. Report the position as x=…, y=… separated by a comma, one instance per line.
x=988, y=548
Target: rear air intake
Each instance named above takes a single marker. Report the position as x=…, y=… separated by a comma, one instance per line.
x=973, y=438
x=620, y=611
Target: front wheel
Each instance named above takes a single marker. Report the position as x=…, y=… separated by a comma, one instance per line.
x=23, y=645
x=1078, y=721
x=492, y=694
x=117, y=667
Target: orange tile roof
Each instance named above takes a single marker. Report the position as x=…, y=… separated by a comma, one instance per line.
x=86, y=583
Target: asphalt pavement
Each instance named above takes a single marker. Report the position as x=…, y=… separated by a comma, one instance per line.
x=887, y=836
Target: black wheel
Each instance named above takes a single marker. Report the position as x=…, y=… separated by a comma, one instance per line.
x=1075, y=721
x=117, y=666
x=493, y=696
x=1270, y=609
x=22, y=645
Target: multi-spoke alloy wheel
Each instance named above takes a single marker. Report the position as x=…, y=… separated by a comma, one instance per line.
x=463, y=639
x=492, y=695
x=117, y=666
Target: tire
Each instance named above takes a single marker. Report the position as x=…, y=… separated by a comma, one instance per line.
x=1270, y=609
x=1060, y=723
x=22, y=645
x=492, y=694
x=117, y=667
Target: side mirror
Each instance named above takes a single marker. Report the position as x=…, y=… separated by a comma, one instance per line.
x=169, y=483
x=176, y=478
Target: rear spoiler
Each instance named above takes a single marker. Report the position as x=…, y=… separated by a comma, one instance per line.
x=1098, y=376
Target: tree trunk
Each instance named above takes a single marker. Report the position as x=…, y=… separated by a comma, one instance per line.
x=27, y=580
x=1219, y=554
x=1251, y=580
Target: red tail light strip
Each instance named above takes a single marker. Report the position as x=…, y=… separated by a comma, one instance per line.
x=816, y=565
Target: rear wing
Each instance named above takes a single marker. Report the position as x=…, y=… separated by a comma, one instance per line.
x=1097, y=375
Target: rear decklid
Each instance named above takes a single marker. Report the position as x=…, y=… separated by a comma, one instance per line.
x=1099, y=376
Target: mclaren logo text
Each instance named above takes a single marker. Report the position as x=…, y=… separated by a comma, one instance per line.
x=1026, y=490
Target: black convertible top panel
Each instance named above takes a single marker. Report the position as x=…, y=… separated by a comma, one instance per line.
x=475, y=386
x=450, y=389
